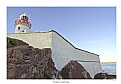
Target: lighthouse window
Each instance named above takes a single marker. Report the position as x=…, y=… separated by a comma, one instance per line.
x=18, y=28
x=24, y=17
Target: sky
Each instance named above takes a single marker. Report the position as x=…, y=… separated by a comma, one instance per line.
x=89, y=28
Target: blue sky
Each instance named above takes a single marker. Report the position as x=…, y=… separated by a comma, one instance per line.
x=89, y=28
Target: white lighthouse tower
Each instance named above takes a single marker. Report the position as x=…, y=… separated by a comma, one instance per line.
x=22, y=25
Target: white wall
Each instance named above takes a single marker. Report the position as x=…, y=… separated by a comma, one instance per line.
x=63, y=52
x=22, y=28
x=37, y=40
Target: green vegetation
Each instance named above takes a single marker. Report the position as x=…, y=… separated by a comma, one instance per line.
x=14, y=42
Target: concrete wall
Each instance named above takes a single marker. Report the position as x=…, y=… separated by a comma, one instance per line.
x=37, y=40
x=62, y=50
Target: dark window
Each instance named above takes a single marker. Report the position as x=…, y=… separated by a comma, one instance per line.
x=25, y=17
x=18, y=28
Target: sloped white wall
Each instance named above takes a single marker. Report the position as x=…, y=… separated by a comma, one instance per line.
x=63, y=52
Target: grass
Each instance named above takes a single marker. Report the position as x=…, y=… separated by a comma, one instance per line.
x=14, y=42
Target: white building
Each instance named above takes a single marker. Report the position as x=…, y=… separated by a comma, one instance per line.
x=62, y=50
x=22, y=25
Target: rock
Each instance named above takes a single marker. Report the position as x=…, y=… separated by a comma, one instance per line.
x=104, y=76
x=101, y=76
x=26, y=62
x=111, y=76
x=74, y=70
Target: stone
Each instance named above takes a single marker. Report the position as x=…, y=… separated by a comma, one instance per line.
x=26, y=62
x=101, y=76
x=74, y=70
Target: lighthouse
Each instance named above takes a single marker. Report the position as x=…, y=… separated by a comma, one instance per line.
x=22, y=25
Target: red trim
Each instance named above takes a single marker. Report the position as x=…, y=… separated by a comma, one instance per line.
x=23, y=21
x=18, y=21
x=26, y=22
x=29, y=24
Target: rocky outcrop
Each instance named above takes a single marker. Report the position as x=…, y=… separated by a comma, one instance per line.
x=104, y=76
x=101, y=76
x=74, y=70
x=26, y=62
